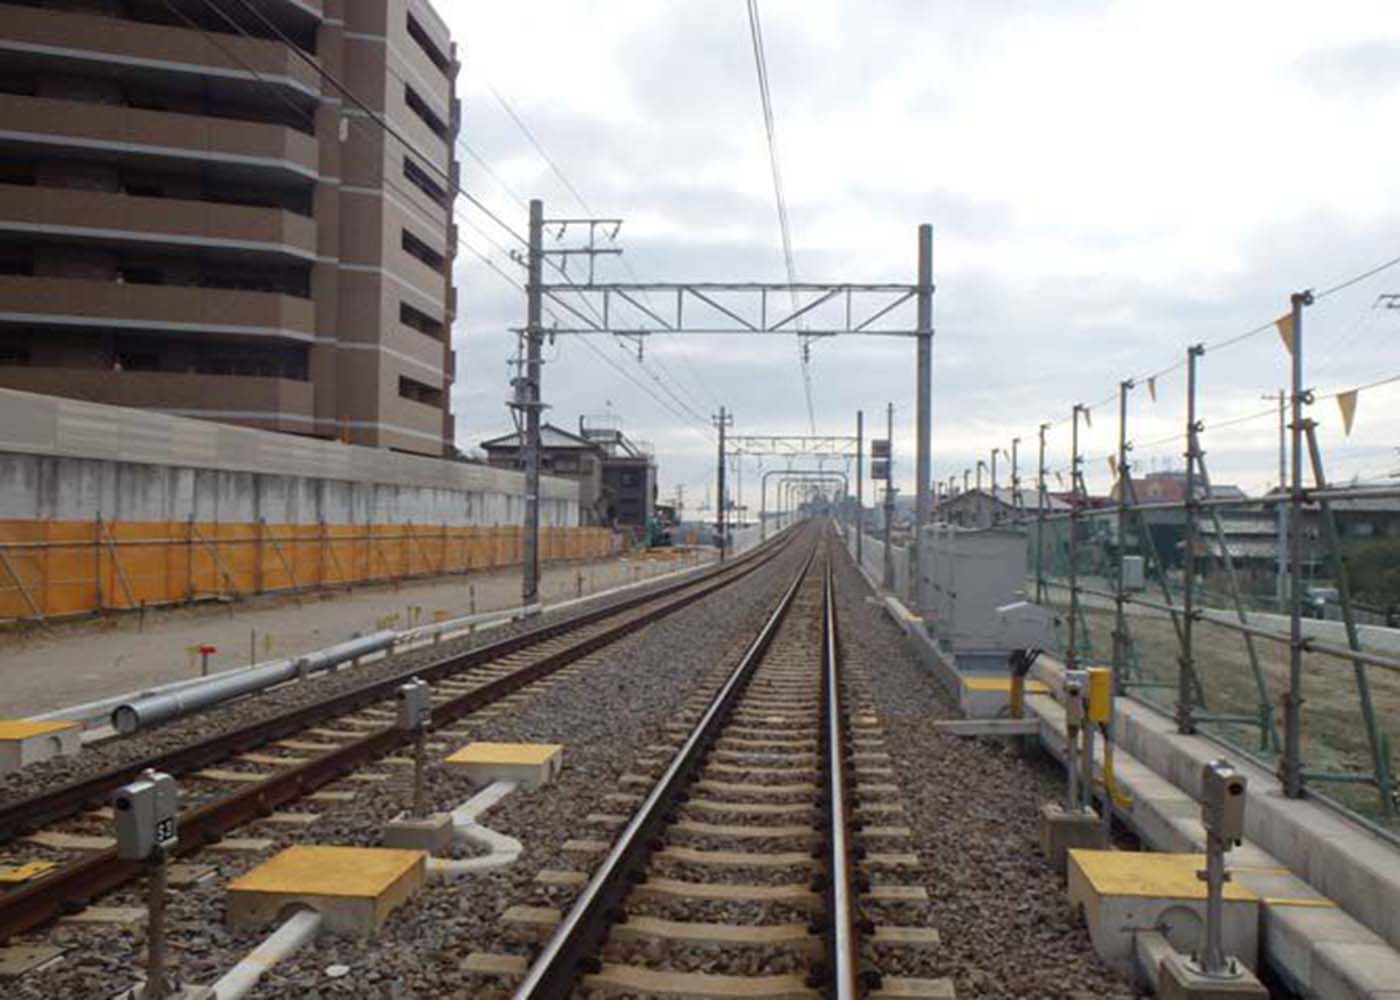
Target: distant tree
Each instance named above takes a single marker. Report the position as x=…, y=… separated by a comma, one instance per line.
x=1373, y=570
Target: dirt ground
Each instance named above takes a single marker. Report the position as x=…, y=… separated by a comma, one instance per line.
x=75, y=662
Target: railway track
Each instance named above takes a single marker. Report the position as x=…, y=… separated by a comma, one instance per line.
x=762, y=838
x=287, y=755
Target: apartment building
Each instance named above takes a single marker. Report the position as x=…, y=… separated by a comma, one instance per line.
x=195, y=220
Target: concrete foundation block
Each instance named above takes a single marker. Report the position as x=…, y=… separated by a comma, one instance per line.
x=1179, y=980
x=432, y=834
x=25, y=741
x=1062, y=831
x=353, y=888
x=1122, y=893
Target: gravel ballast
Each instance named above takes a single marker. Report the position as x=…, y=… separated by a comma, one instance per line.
x=608, y=711
x=1005, y=922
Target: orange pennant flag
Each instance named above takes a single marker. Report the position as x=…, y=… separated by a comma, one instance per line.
x=1060, y=479
x=1152, y=388
x=1346, y=402
x=1285, y=330
x=1113, y=464
x=1088, y=420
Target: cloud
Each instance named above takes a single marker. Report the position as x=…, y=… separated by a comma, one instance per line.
x=1108, y=184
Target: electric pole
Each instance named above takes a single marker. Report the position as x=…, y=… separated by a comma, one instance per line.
x=860, y=491
x=530, y=551
x=923, y=461
x=889, y=498
x=723, y=422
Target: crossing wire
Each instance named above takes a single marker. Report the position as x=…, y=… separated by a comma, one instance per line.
x=387, y=181
x=384, y=125
x=766, y=99
x=558, y=171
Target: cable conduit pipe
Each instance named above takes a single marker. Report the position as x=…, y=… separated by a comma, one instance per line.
x=295, y=933
x=502, y=850
x=142, y=712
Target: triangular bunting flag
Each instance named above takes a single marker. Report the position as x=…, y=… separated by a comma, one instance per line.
x=1060, y=479
x=1113, y=465
x=1088, y=420
x=1346, y=402
x=1285, y=331
x=1152, y=388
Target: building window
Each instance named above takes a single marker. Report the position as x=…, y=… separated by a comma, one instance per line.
x=420, y=321
x=138, y=361
x=434, y=54
x=415, y=247
x=420, y=392
x=14, y=356
x=430, y=117
x=419, y=178
x=141, y=276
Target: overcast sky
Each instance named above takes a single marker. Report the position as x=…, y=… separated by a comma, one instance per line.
x=1108, y=183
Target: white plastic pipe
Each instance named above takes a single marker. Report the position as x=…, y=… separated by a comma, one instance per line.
x=501, y=850
x=296, y=931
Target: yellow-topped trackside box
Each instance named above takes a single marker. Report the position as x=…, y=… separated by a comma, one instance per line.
x=1124, y=891
x=27, y=741
x=530, y=764
x=353, y=888
x=988, y=697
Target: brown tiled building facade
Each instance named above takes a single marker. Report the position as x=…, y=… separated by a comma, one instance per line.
x=192, y=220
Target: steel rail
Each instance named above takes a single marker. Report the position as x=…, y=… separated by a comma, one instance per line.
x=841, y=886
x=29, y=813
x=74, y=886
x=581, y=933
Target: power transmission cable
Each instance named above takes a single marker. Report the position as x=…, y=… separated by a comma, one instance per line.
x=310, y=118
x=588, y=209
x=383, y=125
x=374, y=116
x=766, y=99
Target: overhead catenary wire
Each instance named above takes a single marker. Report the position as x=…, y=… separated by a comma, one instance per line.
x=766, y=100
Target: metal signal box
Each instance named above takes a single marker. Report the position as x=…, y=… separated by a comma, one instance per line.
x=146, y=813
x=415, y=706
x=1100, y=695
x=1222, y=801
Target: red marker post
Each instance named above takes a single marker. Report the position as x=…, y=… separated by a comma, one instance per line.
x=204, y=652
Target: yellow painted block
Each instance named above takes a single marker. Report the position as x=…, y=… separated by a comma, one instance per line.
x=1148, y=875
x=506, y=753
x=24, y=729
x=353, y=888
x=530, y=764
x=330, y=871
x=23, y=873
x=994, y=684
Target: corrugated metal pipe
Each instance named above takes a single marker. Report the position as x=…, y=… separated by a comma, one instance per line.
x=148, y=711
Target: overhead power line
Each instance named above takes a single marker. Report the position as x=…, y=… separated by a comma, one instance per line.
x=766, y=99
x=558, y=171
x=381, y=123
